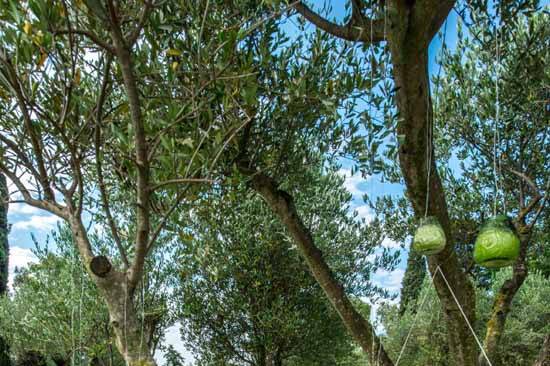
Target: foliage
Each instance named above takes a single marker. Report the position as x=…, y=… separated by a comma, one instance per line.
x=248, y=295
x=526, y=327
x=57, y=313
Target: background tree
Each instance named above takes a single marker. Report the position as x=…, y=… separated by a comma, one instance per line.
x=57, y=314
x=427, y=344
x=249, y=297
x=502, y=140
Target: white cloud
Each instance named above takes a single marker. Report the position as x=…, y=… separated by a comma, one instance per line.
x=390, y=280
x=19, y=258
x=353, y=183
x=23, y=209
x=38, y=222
x=364, y=212
x=390, y=243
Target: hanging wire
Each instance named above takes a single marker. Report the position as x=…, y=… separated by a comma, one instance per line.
x=428, y=147
x=496, y=136
x=465, y=317
x=80, y=317
x=371, y=101
x=415, y=319
x=438, y=270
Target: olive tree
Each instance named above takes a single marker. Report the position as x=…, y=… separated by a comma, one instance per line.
x=249, y=297
x=129, y=111
x=106, y=105
x=404, y=29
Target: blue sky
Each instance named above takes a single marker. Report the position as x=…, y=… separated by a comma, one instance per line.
x=26, y=221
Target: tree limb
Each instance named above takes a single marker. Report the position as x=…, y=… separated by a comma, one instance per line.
x=141, y=155
x=99, y=166
x=29, y=127
x=180, y=181
x=352, y=31
x=93, y=37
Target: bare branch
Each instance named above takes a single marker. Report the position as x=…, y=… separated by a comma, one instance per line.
x=162, y=224
x=28, y=199
x=352, y=31
x=539, y=210
x=133, y=36
x=99, y=159
x=527, y=180
x=29, y=126
x=141, y=147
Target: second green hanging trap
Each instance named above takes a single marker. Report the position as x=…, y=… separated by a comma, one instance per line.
x=497, y=244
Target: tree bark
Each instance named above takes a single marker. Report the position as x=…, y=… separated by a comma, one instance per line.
x=4, y=260
x=283, y=206
x=118, y=294
x=413, y=100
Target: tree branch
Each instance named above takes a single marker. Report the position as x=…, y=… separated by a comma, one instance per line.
x=29, y=126
x=352, y=31
x=141, y=155
x=28, y=199
x=93, y=37
x=133, y=36
x=99, y=167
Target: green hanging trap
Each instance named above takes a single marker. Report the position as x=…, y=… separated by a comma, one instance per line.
x=429, y=237
x=497, y=244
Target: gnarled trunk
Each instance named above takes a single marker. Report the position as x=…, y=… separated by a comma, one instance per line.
x=131, y=335
x=118, y=293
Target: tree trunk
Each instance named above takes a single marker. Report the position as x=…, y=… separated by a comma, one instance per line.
x=544, y=356
x=409, y=53
x=118, y=294
x=502, y=305
x=131, y=337
x=4, y=261
x=283, y=205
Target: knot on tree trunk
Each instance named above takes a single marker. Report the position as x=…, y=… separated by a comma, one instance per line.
x=100, y=266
